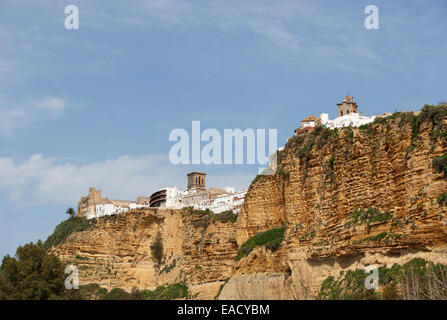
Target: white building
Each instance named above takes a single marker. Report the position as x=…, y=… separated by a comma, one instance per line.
x=310, y=122
x=215, y=199
x=107, y=209
x=347, y=115
x=351, y=119
x=110, y=207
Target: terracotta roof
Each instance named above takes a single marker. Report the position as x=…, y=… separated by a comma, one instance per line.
x=311, y=118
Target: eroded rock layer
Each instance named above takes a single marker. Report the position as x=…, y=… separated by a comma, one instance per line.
x=347, y=199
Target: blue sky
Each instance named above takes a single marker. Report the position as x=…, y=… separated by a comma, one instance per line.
x=95, y=106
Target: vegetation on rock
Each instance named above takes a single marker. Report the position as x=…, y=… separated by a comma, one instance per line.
x=120, y=294
x=157, y=249
x=271, y=239
x=368, y=216
x=440, y=164
x=256, y=179
x=417, y=279
x=32, y=274
x=66, y=228
x=174, y=291
x=442, y=198
x=207, y=215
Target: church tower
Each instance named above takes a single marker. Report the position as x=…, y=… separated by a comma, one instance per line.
x=347, y=106
x=196, y=181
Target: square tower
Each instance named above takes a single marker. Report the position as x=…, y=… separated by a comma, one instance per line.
x=347, y=106
x=196, y=181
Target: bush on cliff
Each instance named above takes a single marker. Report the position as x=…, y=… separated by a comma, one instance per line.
x=174, y=291
x=205, y=216
x=120, y=294
x=32, y=274
x=272, y=239
x=66, y=228
x=442, y=198
x=417, y=279
x=367, y=216
x=440, y=164
x=225, y=216
x=157, y=249
x=256, y=179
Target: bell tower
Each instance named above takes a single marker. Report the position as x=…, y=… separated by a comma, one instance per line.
x=196, y=181
x=347, y=106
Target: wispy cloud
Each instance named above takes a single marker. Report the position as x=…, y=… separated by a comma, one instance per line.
x=44, y=180
x=20, y=115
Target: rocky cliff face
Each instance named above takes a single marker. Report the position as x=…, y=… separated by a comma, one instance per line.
x=347, y=199
x=116, y=253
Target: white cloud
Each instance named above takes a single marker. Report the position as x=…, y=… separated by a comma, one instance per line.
x=276, y=33
x=21, y=115
x=50, y=103
x=42, y=180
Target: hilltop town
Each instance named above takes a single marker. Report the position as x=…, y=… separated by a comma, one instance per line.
x=217, y=200
x=196, y=196
x=339, y=202
x=347, y=116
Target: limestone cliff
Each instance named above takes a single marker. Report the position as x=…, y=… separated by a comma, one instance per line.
x=116, y=252
x=347, y=199
x=325, y=183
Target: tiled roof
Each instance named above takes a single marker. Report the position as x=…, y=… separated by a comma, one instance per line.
x=311, y=118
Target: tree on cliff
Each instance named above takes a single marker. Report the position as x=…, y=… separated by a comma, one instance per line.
x=71, y=212
x=32, y=274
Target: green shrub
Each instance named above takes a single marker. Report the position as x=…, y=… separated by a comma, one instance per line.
x=174, y=291
x=380, y=120
x=330, y=172
x=221, y=288
x=92, y=291
x=331, y=162
x=350, y=134
x=157, y=249
x=439, y=164
x=367, y=216
x=225, y=216
x=376, y=238
x=363, y=126
x=349, y=287
x=66, y=228
x=433, y=114
x=32, y=274
x=120, y=294
x=202, y=223
x=272, y=239
x=167, y=269
x=256, y=179
x=442, y=199
x=416, y=279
